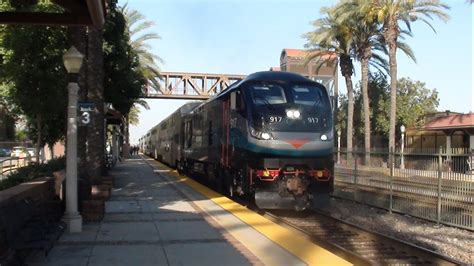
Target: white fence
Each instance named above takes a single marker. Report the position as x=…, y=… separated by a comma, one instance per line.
x=438, y=186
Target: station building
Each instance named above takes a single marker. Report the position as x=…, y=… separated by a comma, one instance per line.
x=446, y=130
x=322, y=68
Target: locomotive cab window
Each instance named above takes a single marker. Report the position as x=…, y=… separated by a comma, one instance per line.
x=306, y=95
x=273, y=105
x=236, y=101
x=266, y=94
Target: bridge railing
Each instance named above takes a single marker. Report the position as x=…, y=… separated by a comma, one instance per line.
x=437, y=186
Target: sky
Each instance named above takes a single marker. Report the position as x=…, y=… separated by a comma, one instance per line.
x=244, y=36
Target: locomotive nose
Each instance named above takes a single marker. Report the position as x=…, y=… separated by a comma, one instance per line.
x=301, y=141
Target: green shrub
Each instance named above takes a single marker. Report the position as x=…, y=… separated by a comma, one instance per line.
x=30, y=172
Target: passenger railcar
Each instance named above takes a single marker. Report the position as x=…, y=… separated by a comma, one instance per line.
x=269, y=136
x=167, y=136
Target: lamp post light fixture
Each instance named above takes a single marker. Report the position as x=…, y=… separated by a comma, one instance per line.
x=402, y=161
x=338, y=146
x=72, y=61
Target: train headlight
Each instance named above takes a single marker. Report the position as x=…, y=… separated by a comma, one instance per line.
x=266, y=136
x=293, y=114
x=327, y=136
x=260, y=135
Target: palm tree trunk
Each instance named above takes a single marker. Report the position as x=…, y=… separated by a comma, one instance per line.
x=95, y=84
x=346, y=71
x=38, y=138
x=365, y=97
x=336, y=104
x=350, y=113
x=126, y=146
x=392, y=54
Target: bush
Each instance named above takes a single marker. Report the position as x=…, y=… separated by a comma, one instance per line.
x=30, y=172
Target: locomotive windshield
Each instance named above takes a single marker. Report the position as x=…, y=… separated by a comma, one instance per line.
x=290, y=107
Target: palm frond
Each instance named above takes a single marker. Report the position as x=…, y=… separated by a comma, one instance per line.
x=138, y=28
x=406, y=50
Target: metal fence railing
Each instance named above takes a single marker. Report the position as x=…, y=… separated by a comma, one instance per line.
x=9, y=165
x=437, y=186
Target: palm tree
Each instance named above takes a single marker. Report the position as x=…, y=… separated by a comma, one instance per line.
x=95, y=85
x=392, y=14
x=366, y=40
x=333, y=37
x=139, y=37
x=138, y=28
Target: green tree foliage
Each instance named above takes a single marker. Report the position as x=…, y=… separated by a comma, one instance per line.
x=33, y=77
x=415, y=101
x=135, y=111
x=123, y=80
x=21, y=135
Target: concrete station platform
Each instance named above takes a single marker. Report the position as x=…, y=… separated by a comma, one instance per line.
x=156, y=217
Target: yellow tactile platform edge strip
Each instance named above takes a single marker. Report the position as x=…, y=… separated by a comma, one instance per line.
x=297, y=245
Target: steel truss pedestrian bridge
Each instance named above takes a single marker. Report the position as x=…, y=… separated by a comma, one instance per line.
x=198, y=86
x=202, y=86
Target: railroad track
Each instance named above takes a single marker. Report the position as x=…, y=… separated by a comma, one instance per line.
x=358, y=245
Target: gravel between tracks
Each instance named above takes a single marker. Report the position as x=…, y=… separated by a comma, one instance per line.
x=452, y=242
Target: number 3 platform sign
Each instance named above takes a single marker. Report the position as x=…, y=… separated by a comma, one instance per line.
x=86, y=111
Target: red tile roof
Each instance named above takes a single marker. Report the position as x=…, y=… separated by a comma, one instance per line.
x=300, y=53
x=451, y=122
x=294, y=52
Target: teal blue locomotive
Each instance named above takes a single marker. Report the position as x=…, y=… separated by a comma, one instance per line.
x=269, y=136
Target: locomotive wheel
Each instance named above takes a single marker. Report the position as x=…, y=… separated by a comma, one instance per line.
x=220, y=184
x=231, y=190
x=179, y=167
x=229, y=185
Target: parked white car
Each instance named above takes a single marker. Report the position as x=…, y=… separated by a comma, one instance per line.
x=19, y=151
x=31, y=151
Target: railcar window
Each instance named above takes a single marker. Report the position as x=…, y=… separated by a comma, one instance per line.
x=268, y=94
